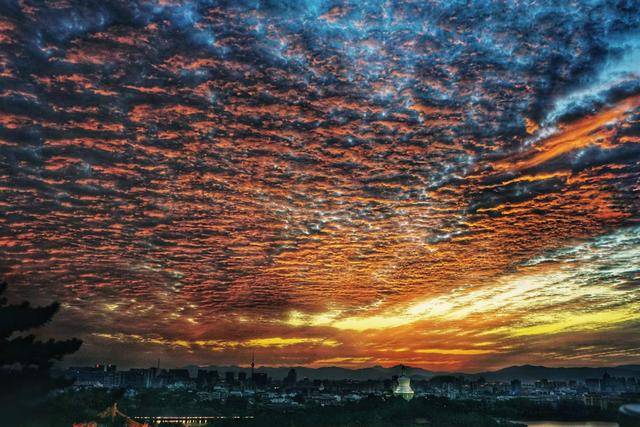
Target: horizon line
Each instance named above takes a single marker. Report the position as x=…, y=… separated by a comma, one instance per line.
x=242, y=366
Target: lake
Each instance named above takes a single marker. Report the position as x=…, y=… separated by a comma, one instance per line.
x=569, y=424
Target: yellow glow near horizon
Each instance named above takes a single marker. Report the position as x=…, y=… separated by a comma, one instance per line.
x=283, y=342
x=546, y=289
x=579, y=321
x=455, y=351
x=220, y=344
x=550, y=294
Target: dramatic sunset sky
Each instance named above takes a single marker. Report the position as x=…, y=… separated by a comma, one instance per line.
x=453, y=185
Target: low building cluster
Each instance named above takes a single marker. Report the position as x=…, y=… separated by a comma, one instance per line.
x=211, y=385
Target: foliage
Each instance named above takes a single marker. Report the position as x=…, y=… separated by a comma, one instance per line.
x=25, y=361
x=378, y=412
x=563, y=410
x=369, y=412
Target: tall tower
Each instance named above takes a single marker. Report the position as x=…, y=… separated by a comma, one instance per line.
x=253, y=365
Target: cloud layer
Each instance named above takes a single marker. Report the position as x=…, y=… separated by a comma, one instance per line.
x=448, y=184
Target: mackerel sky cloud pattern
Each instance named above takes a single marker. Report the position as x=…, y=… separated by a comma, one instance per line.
x=446, y=184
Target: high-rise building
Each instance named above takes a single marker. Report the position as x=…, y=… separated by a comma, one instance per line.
x=291, y=379
x=94, y=376
x=136, y=378
x=207, y=378
x=516, y=387
x=260, y=379
x=593, y=385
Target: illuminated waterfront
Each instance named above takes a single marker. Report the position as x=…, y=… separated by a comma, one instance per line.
x=569, y=424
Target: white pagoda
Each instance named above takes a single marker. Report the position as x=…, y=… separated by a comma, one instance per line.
x=403, y=389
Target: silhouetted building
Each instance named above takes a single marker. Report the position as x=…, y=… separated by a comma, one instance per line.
x=136, y=378
x=291, y=379
x=593, y=385
x=230, y=377
x=260, y=379
x=207, y=378
x=178, y=377
x=516, y=386
x=94, y=376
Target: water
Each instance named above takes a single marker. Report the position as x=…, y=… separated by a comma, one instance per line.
x=569, y=424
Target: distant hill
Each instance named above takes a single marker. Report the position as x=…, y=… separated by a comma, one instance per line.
x=527, y=373
x=531, y=373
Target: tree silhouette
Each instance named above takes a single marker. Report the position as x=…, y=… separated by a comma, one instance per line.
x=25, y=361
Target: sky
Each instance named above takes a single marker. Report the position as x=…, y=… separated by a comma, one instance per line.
x=452, y=185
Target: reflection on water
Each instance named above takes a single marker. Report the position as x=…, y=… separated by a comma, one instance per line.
x=569, y=424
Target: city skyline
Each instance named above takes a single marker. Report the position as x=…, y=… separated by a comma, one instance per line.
x=453, y=186
x=360, y=373
x=236, y=375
